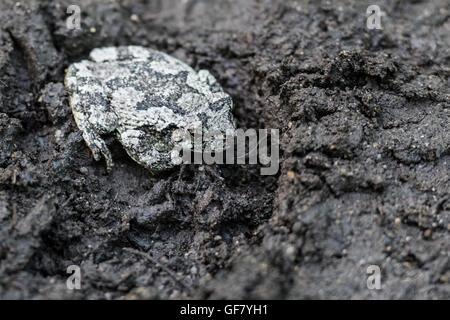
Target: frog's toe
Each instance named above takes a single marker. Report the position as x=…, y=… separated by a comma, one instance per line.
x=108, y=159
x=95, y=150
x=98, y=148
x=101, y=145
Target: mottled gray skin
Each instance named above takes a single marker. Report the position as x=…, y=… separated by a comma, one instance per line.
x=143, y=96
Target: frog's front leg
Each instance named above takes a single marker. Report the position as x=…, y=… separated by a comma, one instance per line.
x=90, y=134
x=91, y=111
x=97, y=146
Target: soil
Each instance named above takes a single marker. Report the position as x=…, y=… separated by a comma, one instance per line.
x=364, y=176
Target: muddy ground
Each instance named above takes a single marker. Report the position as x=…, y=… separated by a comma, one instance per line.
x=364, y=117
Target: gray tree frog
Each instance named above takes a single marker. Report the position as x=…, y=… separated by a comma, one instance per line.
x=143, y=95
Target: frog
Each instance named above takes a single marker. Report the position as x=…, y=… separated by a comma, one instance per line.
x=142, y=97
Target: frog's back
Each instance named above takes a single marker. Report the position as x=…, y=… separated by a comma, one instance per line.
x=155, y=80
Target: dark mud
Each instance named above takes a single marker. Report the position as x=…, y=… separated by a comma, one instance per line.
x=365, y=171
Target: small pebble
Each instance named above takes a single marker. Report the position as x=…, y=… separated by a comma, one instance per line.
x=291, y=174
x=290, y=251
x=194, y=270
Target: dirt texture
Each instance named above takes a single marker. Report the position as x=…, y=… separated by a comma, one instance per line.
x=364, y=119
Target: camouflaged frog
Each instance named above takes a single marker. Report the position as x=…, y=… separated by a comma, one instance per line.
x=142, y=96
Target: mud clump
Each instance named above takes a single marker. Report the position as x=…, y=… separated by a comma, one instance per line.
x=364, y=174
